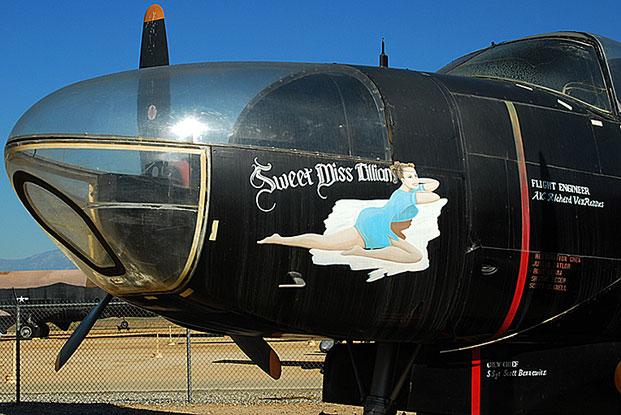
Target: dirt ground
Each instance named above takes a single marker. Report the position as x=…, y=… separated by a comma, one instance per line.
x=202, y=409
x=269, y=409
x=152, y=364
x=143, y=371
x=147, y=366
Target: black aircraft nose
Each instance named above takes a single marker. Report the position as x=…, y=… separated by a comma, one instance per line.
x=111, y=168
x=115, y=168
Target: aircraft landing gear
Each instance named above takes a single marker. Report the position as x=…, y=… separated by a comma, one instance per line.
x=371, y=375
x=377, y=401
x=30, y=329
x=384, y=390
x=44, y=330
x=26, y=331
x=123, y=325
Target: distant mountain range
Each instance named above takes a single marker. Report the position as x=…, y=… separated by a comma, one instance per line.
x=50, y=260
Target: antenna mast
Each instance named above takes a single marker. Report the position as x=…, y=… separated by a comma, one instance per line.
x=383, y=58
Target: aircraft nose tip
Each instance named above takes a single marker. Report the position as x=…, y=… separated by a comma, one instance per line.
x=129, y=215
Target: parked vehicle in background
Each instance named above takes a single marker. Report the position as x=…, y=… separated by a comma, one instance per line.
x=61, y=296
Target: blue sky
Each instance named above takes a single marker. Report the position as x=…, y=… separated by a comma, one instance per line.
x=46, y=45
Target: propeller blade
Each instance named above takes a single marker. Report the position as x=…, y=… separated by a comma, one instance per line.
x=260, y=353
x=154, y=49
x=81, y=332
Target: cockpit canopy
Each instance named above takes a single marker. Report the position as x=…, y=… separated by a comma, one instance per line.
x=574, y=64
x=310, y=107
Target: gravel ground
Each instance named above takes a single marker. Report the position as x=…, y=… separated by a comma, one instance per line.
x=233, y=404
x=144, y=373
x=231, y=398
x=222, y=403
x=282, y=407
x=264, y=409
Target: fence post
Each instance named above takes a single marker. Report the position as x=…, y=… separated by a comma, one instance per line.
x=17, y=354
x=188, y=354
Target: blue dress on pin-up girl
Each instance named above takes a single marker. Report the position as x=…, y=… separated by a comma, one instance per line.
x=373, y=223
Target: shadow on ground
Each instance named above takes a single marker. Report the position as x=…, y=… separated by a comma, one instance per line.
x=39, y=408
x=300, y=364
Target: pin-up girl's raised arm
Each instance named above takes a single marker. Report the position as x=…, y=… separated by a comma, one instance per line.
x=429, y=185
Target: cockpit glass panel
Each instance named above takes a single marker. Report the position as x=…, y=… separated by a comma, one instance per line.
x=571, y=68
x=137, y=206
x=183, y=103
x=328, y=111
x=612, y=51
x=326, y=108
x=67, y=223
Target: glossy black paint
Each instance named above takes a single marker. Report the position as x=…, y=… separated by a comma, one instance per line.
x=458, y=131
x=521, y=379
x=514, y=379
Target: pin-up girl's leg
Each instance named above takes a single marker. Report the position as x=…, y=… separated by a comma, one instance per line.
x=398, y=251
x=338, y=241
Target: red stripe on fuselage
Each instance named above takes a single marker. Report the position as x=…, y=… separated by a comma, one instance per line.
x=525, y=209
x=475, y=383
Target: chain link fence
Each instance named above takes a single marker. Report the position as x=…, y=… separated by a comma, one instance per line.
x=133, y=356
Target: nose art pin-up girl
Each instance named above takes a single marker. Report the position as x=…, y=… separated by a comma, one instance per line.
x=377, y=232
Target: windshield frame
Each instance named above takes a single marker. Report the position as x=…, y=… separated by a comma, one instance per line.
x=616, y=94
x=576, y=37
